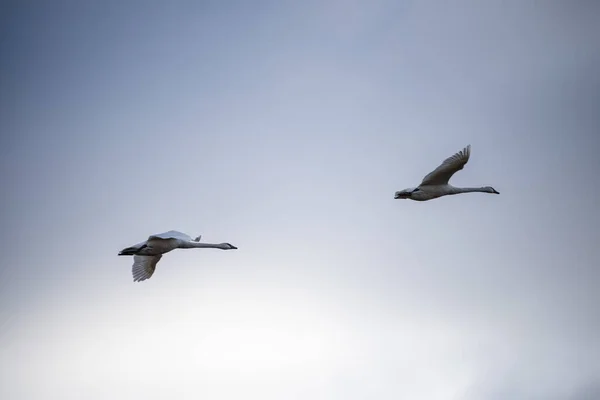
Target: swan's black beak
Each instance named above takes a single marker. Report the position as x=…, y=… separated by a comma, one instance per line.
x=233, y=247
x=495, y=191
x=400, y=195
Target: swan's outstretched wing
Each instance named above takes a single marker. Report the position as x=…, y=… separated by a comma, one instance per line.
x=171, y=235
x=143, y=267
x=442, y=174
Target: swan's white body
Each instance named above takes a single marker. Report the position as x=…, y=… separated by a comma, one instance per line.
x=435, y=184
x=147, y=254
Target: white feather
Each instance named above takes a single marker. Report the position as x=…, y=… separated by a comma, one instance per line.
x=144, y=266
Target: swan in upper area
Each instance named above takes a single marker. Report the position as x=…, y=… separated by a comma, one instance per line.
x=146, y=254
x=435, y=184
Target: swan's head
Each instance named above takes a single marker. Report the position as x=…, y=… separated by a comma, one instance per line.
x=490, y=189
x=227, y=246
x=404, y=194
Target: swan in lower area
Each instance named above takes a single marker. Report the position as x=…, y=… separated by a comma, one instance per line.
x=147, y=254
x=435, y=184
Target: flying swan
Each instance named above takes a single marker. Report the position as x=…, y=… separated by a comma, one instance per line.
x=148, y=253
x=435, y=184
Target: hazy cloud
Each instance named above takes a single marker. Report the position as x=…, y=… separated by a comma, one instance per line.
x=285, y=128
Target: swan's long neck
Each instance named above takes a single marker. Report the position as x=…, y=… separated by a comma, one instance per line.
x=196, y=245
x=457, y=190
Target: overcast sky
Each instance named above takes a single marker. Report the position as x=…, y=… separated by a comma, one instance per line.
x=285, y=128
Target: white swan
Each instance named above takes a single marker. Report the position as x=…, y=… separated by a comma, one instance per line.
x=435, y=184
x=146, y=254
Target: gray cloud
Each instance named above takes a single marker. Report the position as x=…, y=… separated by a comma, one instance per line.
x=285, y=128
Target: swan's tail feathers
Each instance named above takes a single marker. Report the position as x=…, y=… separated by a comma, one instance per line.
x=128, y=251
x=133, y=250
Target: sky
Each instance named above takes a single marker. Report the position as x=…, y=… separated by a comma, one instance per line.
x=285, y=128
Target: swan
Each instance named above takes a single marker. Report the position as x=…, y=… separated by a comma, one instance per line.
x=147, y=254
x=435, y=184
